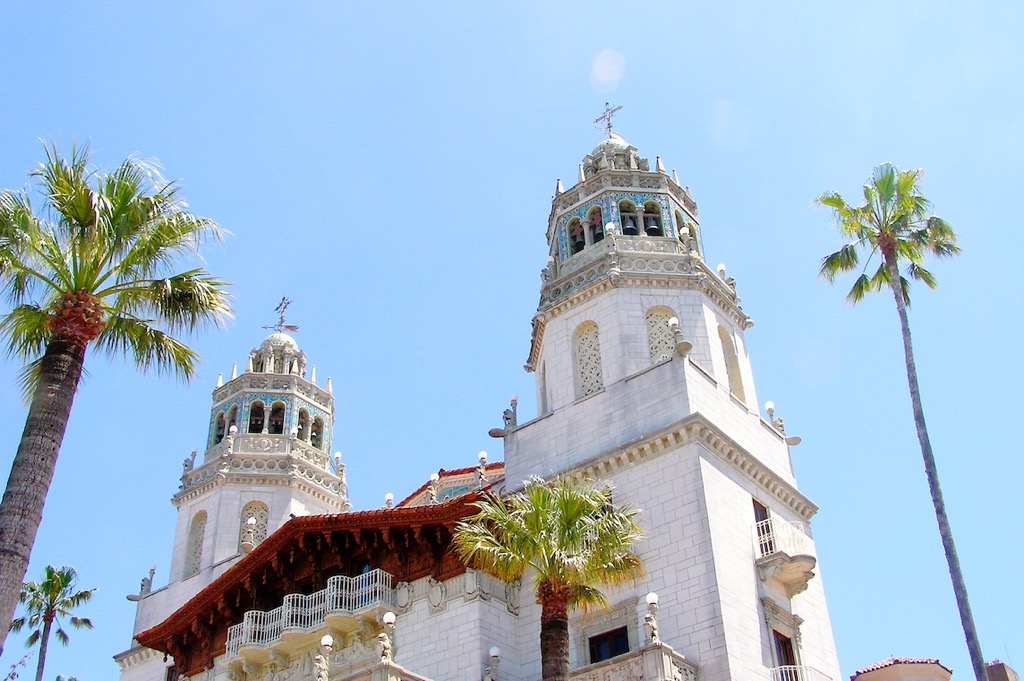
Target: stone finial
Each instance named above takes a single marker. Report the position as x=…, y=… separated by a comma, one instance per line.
x=558, y=187
x=234, y=370
x=658, y=165
x=583, y=175
x=312, y=375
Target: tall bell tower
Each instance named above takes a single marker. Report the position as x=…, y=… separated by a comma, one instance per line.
x=643, y=381
x=266, y=460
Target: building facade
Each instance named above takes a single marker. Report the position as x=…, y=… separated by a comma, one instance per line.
x=643, y=383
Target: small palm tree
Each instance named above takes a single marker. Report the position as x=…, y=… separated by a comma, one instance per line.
x=896, y=225
x=96, y=267
x=572, y=538
x=46, y=602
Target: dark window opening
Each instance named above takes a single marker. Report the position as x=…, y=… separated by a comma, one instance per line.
x=785, y=655
x=608, y=645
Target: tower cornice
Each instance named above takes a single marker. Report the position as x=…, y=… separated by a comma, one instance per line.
x=697, y=428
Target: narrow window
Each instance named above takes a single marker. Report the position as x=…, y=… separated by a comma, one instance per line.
x=765, y=540
x=258, y=511
x=194, y=556
x=303, y=425
x=785, y=654
x=316, y=437
x=276, y=421
x=577, y=240
x=232, y=416
x=732, y=365
x=659, y=335
x=629, y=218
x=589, y=378
x=596, y=225
x=218, y=433
x=609, y=644
x=256, y=417
x=652, y=219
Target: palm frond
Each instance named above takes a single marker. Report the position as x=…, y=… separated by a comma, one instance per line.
x=149, y=347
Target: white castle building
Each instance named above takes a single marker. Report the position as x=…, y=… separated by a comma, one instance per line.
x=643, y=381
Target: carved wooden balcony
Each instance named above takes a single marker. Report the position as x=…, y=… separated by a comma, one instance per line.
x=297, y=623
x=784, y=554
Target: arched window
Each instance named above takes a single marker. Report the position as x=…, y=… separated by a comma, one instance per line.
x=652, y=219
x=659, y=335
x=316, y=437
x=577, y=240
x=218, y=430
x=259, y=511
x=275, y=424
x=595, y=224
x=587, y=347
x=232, y=416
x=303, y=425
x=256, y=417
x=732, y=364
x=194, y=555
x=630, y=219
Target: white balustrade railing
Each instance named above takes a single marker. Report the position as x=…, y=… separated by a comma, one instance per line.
x=798, y=673
x=343, y=595
x=774, y=535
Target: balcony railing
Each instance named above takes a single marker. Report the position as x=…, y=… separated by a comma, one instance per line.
x=653, y=662
x=343, y=596
x=798, y=673
x=775, y=535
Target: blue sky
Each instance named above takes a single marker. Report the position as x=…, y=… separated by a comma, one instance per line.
x=389, y=167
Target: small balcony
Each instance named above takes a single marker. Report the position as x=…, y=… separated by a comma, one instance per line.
x=784, y=554
x=653, y=662
x=798, y=673
x=298, y=621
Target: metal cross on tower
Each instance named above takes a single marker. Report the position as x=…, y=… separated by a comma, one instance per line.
x=280, y=310
x=606, y=118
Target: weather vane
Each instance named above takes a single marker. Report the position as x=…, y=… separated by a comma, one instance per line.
x=280, y=310
x=605, y=119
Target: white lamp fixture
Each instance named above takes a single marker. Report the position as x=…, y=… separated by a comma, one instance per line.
x=389, y=500
x=327, y=641
x=482, y=456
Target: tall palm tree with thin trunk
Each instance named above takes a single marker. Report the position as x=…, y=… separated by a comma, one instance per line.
x=573, y=539
x=46, y=602
x=97, y=267
x=895, y=226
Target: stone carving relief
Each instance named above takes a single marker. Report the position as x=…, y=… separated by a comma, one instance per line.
x=437, y=593
x=630, y=670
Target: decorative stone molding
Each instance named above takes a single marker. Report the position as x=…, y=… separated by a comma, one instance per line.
x=696, y=428
x=622, y=614
x=781, y=620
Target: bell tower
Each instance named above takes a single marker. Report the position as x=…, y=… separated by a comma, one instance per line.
x=644, y=383
x=266, y=460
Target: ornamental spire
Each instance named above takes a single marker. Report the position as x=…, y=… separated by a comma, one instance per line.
x=281, y=324
x=605, y=119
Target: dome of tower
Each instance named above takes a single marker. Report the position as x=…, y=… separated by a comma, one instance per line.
x=281, y=340
x=614, y=143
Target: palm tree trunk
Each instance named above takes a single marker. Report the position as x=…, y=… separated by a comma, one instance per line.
x=44, y=643
x=21, y=510
x=554, y=632
x=932, y=473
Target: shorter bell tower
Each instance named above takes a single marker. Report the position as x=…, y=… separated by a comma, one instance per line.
x=267, y=460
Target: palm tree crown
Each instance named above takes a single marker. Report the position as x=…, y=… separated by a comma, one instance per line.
x=48, y=601
x=96, y=266
x=896, y=223
x=572, y=539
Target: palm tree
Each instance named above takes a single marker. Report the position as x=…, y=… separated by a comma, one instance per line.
x=97, y=266
x=570, y=535
x=896, y=224
x=45, y=603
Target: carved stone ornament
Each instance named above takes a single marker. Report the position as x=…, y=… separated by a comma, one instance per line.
x=437, y=593
x=403, y=596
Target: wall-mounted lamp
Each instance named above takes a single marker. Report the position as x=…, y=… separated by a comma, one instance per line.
x=682, y=345
x=651, y=619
